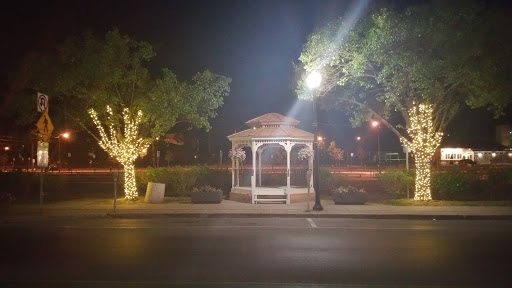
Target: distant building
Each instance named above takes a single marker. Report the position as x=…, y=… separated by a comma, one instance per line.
x=454, y=155
x=504, y=135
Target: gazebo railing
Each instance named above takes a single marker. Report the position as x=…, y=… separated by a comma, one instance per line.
x=275, y=177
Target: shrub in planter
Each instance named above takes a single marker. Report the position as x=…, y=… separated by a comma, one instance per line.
x=206, y=194
x=220, y=178
x=349, y=195
x=329, y=182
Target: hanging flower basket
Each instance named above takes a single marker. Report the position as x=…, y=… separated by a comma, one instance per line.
x=306, y=153
x=237, y=154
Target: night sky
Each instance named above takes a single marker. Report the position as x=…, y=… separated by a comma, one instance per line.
x=253, y=42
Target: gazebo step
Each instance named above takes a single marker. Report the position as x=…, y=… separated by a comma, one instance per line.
x=271, y=195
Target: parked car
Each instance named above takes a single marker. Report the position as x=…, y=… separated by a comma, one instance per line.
x=466, y=162
x=53, y=167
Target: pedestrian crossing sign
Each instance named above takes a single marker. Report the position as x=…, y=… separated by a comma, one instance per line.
x=45, y=126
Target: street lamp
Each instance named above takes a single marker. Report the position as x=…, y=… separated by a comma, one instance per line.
x=313, y=81
x=65, y=135
x=377, y=124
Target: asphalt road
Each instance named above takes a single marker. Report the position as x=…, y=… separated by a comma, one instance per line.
x=227, y=252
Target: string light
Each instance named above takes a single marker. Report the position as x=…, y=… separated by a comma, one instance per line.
x=425, y=141
x=125, y=148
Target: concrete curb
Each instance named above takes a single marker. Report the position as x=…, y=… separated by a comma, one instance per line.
x=299, y=215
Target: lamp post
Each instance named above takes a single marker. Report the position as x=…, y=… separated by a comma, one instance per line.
x=313, y=81
x=377, y=124
x=65, y=135
x=359, y=150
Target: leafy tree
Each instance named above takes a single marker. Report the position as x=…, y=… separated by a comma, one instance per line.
x=335, y=152
x=438, y=54
x=89, y=72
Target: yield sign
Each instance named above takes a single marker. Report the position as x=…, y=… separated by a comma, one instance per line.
x=45, y=126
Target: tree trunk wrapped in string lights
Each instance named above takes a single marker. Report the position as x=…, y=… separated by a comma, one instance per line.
x=425, y=141
x=125, y=148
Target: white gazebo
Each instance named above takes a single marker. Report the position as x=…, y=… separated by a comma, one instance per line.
x=270, y=130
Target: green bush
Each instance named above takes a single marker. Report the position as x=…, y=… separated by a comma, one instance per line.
x=178, y=180
x=21, y=185
x=499, y=184
x=395, y=182
x=329, y=181
x=455, y=184
x=218, y=178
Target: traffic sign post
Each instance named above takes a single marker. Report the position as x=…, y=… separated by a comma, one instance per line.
x=42, y=162
x=42, y=102
x=45, y=126
x=42, y=154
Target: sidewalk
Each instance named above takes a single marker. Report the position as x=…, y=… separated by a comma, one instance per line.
x=227, y=208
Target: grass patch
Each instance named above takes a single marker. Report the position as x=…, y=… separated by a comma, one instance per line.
x=177, y=200
x=412, y=202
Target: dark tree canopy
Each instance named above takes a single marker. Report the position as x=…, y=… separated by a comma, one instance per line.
x=445, y=53
x=87, y=71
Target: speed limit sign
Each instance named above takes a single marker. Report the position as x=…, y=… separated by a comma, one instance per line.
x=42, y=102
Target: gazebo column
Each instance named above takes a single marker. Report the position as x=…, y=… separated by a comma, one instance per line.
x=232, y=171
x=260, y=151
x=288, y=148
x=237, y=169
x=253, y=177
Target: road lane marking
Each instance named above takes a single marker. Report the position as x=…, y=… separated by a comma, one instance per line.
x=311, y=222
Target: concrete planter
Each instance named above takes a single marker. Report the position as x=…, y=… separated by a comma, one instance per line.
x=210, y=197
x=349, y=198
x=155, y=193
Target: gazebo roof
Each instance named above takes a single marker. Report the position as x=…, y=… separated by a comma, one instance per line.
x=272, y=126
x=272, y=132
x=272, y=119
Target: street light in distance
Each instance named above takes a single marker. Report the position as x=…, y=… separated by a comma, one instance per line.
x=62, y=135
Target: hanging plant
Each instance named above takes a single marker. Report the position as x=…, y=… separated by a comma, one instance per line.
x=306, y=153
x=237, y=153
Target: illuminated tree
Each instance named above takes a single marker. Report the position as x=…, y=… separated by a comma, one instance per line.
x=125, y=147
x=335, y=152
x=89, y=71
x=440, y=54
x=425, y=141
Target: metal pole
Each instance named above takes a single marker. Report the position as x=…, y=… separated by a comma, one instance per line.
x=407, y=167
x=32, y=155
x=316, y=174
x=41, y=192
x=115, y=192
x=153, y=153
x=59, y=154
x=378, y=148
x=308, y=182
